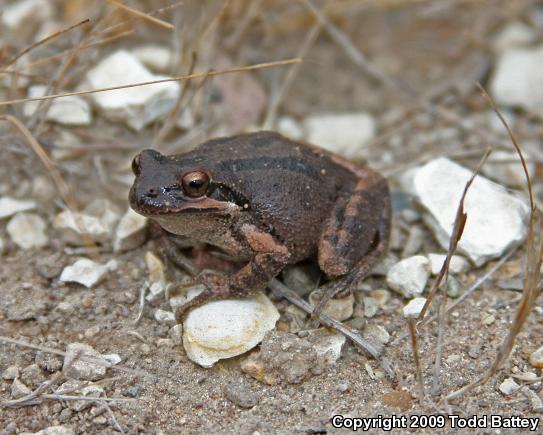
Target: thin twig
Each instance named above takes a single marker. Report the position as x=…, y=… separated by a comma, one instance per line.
x=281, y=290
x=415, y=348
x=44, y=40
x=153, y=82
x=98, y=361
x=459, y=224
x=143, y=15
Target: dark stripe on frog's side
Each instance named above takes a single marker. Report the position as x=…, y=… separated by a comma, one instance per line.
x=221, y=192
x=292, y=164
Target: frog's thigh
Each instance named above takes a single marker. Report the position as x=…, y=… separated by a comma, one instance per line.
x=355, y=225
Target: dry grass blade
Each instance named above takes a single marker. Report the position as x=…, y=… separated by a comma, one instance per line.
x=98, y=361
x=531, y=289
x=415, y=348
x=44, y=40
x=154, y=82
x=62, y=187
x=142, y=15
x=459, y=224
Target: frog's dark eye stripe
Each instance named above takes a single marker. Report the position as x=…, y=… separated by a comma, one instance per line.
x=221, y=192
x=195, y=183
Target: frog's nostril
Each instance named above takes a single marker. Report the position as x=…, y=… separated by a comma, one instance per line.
x=151, y=193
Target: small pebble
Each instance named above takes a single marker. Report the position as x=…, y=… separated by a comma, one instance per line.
x=18, y=389
x=413, y=308
x=27, y=230
x=164, y=317
x=10, y=206
x=458, y=264
x=337, y=308
x=370, y=307
x=10, y=373
x=83, y=369
x=509, y=386
x=131, y=231
x=77, y=228
x=344, y=133
x=176, y=334
x=85, y=272
x=377, y=333
x=536, y=358
x=488, y=319
x=409, y=276
x=156, y=57
x=239, y=393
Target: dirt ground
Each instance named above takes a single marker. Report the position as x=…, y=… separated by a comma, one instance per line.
x=424, y=58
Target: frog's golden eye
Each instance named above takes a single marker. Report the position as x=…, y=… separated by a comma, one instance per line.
x=195, y=183
x=136, y=165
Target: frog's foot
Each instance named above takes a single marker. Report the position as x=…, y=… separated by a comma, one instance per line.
x=215, y=287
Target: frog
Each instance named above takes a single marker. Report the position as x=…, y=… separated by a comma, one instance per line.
x=267, y=201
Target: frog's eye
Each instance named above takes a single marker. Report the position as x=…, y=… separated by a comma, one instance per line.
x=195, y=184
x=136, y=165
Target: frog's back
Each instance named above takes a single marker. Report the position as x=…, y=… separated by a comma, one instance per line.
x=291, y=187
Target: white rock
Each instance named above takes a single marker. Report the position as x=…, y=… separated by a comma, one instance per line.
x=9, y=206
x=536, y=358
x=514, y=34
x=497, y=219
x=137, y=106
x=414, y=307
x=106, y=212
x=71, y=110
x=518, y=79
x=340, y=309
x=326, y=343
x=505, y=167
x=156, y=57
x=25, y=12
x=10, y=373
x=18, y=389
x=508, y=386
x=157, y=276
x=458, y=264
x=226, y=328
x=290, y=128
x=176, y=334
x=343, y=133
x=85, y=272
x=112, y=358
x=166, y=317
x=377, y=333
x=83, y=369
x=53, y=430
x=76, y=227
x=130, y=232
x=27, y=230
x=409, y=276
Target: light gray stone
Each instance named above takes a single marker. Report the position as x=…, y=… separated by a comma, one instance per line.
x=409, y=276
x=458, y=264
x=136, y=106
x=517, y=80
x=342, y=133
x=497, y=219
x=84, y=368
x=9, y=206
x=413, y=308
x=27, y=230
x=130, y=232
x=85, y=272
x=226, y=328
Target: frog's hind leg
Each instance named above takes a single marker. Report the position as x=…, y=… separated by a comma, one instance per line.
x=355, y=237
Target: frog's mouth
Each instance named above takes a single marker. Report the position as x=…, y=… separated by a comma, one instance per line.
x=165, y=204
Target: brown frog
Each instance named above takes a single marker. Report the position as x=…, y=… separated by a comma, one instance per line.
x=269, y=201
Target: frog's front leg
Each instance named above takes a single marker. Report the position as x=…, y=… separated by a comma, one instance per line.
x=355, y=236
x=269, y=258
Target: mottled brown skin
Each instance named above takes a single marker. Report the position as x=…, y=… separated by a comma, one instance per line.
x=271, y=202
